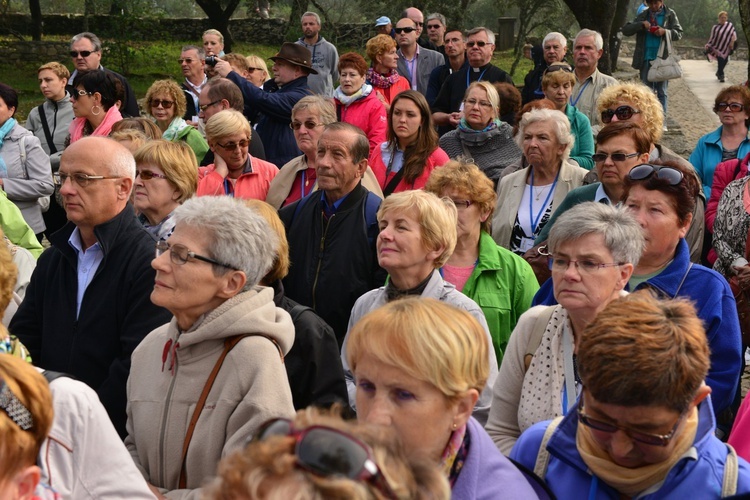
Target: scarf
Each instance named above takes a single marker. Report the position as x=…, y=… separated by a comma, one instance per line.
x=105, y=127
x=346, y=100
x=464, y=127
x=382, y=81
x=393, y=293
x=174, y=129
x=4, y=131
x=455, y=453
x=633, y=481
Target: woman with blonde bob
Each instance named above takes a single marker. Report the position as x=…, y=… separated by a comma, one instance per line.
x=420, y=365
x=257, y=70
x=417, y=236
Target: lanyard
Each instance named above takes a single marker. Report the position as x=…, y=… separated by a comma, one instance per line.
x=468, y=72
x=228, y=188
x=570, y=378
x=580, y=92
x=302, y=185
x=535, y=219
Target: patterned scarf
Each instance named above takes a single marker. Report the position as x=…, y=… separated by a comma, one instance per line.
x=380, y=80
x=465, y=127
x=346, y=100
x=5, y=130
x=454, y=455
x=174, y=129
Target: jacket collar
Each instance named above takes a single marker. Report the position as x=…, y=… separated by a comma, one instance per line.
x=488, y=258
x=669, y=281
x=106, y=233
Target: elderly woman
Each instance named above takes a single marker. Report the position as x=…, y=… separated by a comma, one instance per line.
x=527, y=198
x=592, y=251
x=406, y=160
x=96, y=104
x=557, y=84
x=721, y=43
x=166, y=175
x=642, y=427
x=417, y=235
x=234, y=172
x=500, y=282
x=420, y=366
x=382, y=75
x=257, y=70
x=637, y=103
x=480, y=134
x=727, y=142
x=356, y=103
x=25, y=173
x=166, y=103
x=217, y=367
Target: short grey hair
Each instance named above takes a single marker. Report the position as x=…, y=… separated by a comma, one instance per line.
x=310, y=14
x=598, y=40
x=622, y=234
x=555, y=36
x=560, y=122
x=359, y=148
x=239, y=236
x=439, y=17
x=91, y=37
x=199, y=50
x=479, y=29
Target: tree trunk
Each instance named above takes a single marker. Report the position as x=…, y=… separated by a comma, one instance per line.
x=219, y=18
x=745, y=17
x=36, y=20
x=88, y=10
x=600, y=16
x=615, y=39
x=299, y=7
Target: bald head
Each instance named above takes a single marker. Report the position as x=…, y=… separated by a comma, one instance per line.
x=415, y=15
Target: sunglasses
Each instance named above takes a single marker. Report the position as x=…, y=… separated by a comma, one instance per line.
x=187, y=60
x=84, y=53
x=433, y=26
x=646, y=170
x=251, y=70
x=231, y=146
x=326, y=451
x=180, y=254
x=480, y=43
x=558, y=67
x=309, y=125
x=734, y=107
x=404, y=30
x=616, y=157
x=82, y=92
x=622, y=113
x=641, y=437
x=161, y=102
x=147, y=175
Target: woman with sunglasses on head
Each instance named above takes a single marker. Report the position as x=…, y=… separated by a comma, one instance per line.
x=96, y=98
x=592, y=251
x=217, y=368
x=557, y=84
x=642, y=427
x=382, y=75
x=234, y=172
x=166, y=104
x=420, y=366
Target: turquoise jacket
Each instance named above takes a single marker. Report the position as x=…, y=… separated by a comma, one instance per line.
x=503, y=286
x=707, y=154
x=583, y=147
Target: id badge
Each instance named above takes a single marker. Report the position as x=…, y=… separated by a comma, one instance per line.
x=526, y=244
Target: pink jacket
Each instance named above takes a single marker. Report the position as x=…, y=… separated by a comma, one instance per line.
x=252, y=184
x=438, y=158
x=368, y=114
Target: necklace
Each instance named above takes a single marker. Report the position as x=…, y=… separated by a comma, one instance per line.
x=538, y=191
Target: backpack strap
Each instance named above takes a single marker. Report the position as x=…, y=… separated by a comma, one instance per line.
x=729, y=485
x=540, y=326
x=371, y=206
x=45, y=127
x=542, y=458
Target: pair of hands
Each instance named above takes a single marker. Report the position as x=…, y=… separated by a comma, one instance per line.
x=658, y=31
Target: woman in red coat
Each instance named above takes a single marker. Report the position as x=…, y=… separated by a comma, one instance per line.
x=383, y=75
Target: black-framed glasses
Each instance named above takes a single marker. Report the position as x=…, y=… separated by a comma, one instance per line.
x=147, y=175
x=616, y=157
x=203, y=107
x=251, y=69
x=81, y=92
x=155, y=103
x=81, y=179
x=180, y=254
x=478, y=43
x=309, y=125
x=83, y=53
x=734, y=107
x=646, y=170
x=326, y=451
x=408, y=29
x=584, y=266
x=641, y=437
x=231, y=146
x=622, y=113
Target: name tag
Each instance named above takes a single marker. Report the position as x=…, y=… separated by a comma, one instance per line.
x=526, y=244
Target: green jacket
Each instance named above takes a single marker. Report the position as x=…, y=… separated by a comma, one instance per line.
x=195, y=140
x=15, y=227
x=583, y=146
x=503, y=285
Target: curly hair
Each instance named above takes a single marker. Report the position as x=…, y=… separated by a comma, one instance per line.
x=173, y=91
x=354, y=61
x=379, y=45
x=640, y=97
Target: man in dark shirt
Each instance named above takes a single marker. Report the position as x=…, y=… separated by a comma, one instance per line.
x=555, y=46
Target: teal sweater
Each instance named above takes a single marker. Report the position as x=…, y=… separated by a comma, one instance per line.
x=580, y=127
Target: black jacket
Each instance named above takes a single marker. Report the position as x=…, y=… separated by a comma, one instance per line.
x=116, y=310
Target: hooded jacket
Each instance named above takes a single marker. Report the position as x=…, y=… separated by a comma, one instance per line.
x=59, y=114
x=325, y=60
x=170, y=369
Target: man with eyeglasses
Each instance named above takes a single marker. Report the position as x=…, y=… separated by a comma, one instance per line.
x=325, y=57
x=87, y=306
x=447, y=108
x=454, y=49
x=192, y=64
x=554, y=48
x=86, y=51
x=587, y=50
x=415, y=63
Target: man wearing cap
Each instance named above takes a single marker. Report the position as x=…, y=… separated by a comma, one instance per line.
x=384, y=26
x=325, y=57
x=271, y=106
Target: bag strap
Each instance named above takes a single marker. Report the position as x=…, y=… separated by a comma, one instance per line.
x=731, y=476
x=50, y=375
x=229, y=344
x=394, y=182
x=542, y=457
x=540, y=326
x=297, y=311
x=45, y=127
x=667, y=45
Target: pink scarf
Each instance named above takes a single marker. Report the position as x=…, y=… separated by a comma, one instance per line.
x=76, y=126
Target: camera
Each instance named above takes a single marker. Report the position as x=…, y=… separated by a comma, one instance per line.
x=211, y=60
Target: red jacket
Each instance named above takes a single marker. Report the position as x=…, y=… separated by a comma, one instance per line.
x=252, y=183
x=369, y=115
x=394, y=90
x=437, y=158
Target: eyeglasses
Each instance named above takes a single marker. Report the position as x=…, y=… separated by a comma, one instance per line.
x=155, y=103
x=179, y=254
x=186, y=60
x=644, y=171
x=84, y=53
x=231, y=146
x=641, y=437
x=309, y=125
x=147, y=175
x=404, y=30
x=622, y=113
x=473, y=102
x=734, y=107
x=326, y=451
x=82, y=92
x=479, y=43
x=461, y=204
x=558, y=67
x=586, y=266
x=203, y=107
x=616, y=157
x=82, y=180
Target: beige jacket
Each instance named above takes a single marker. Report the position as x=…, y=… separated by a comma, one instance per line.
x=510, y=192
x=250, y=388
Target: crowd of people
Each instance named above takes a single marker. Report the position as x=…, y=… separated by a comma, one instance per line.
x=393, y=276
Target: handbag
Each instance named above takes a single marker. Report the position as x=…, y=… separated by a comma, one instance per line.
x=537, y=258
x=665, y=68
x=742, y=297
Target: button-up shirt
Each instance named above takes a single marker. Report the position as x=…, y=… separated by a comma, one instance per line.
x=88, y=263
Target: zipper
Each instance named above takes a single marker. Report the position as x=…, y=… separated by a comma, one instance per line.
x=162, y=432
x=320, y=260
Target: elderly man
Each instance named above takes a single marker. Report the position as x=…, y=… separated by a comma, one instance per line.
x=383, y=26
x=455, y=52
x=480, y=44
x=436, y=26
x=87, y=306
x=332, y=232
x=192, y=63
x=587, y=50
x=325, y=57
x=270, y=108
x=415, y=63
x=416, y=15
x=555, y=46
x=86, y=51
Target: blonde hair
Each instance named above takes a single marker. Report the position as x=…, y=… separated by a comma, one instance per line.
x=57, y=68
x=176, y=160
x=559, y=77
x=280, y=267
x=640, y=97
x=466, y=178
x=215, y=33
x=429, y=340
x=492, y=95
x=171, y=89
x=225, y=123
x=254, y=61
x=437, y=218
x=237, y=60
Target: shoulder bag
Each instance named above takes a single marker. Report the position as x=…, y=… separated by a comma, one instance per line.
x=666, y=66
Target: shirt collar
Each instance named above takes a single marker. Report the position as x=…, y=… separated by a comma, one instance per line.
x=74, y=240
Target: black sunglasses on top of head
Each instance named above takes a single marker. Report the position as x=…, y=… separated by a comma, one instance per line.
x=326, y=451
x=646, y=170
x=408, y=29
x=622, y=113
x=558, y=67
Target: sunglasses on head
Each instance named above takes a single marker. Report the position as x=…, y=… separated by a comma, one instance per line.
x=404, y=30
x=558, y=67
x=84, y=53
x=622, y=113
x=155, y=103
x=326, y=451
x=646, y=170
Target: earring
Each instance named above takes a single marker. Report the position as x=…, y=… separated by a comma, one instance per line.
x=455, y=426
x=97, y=112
